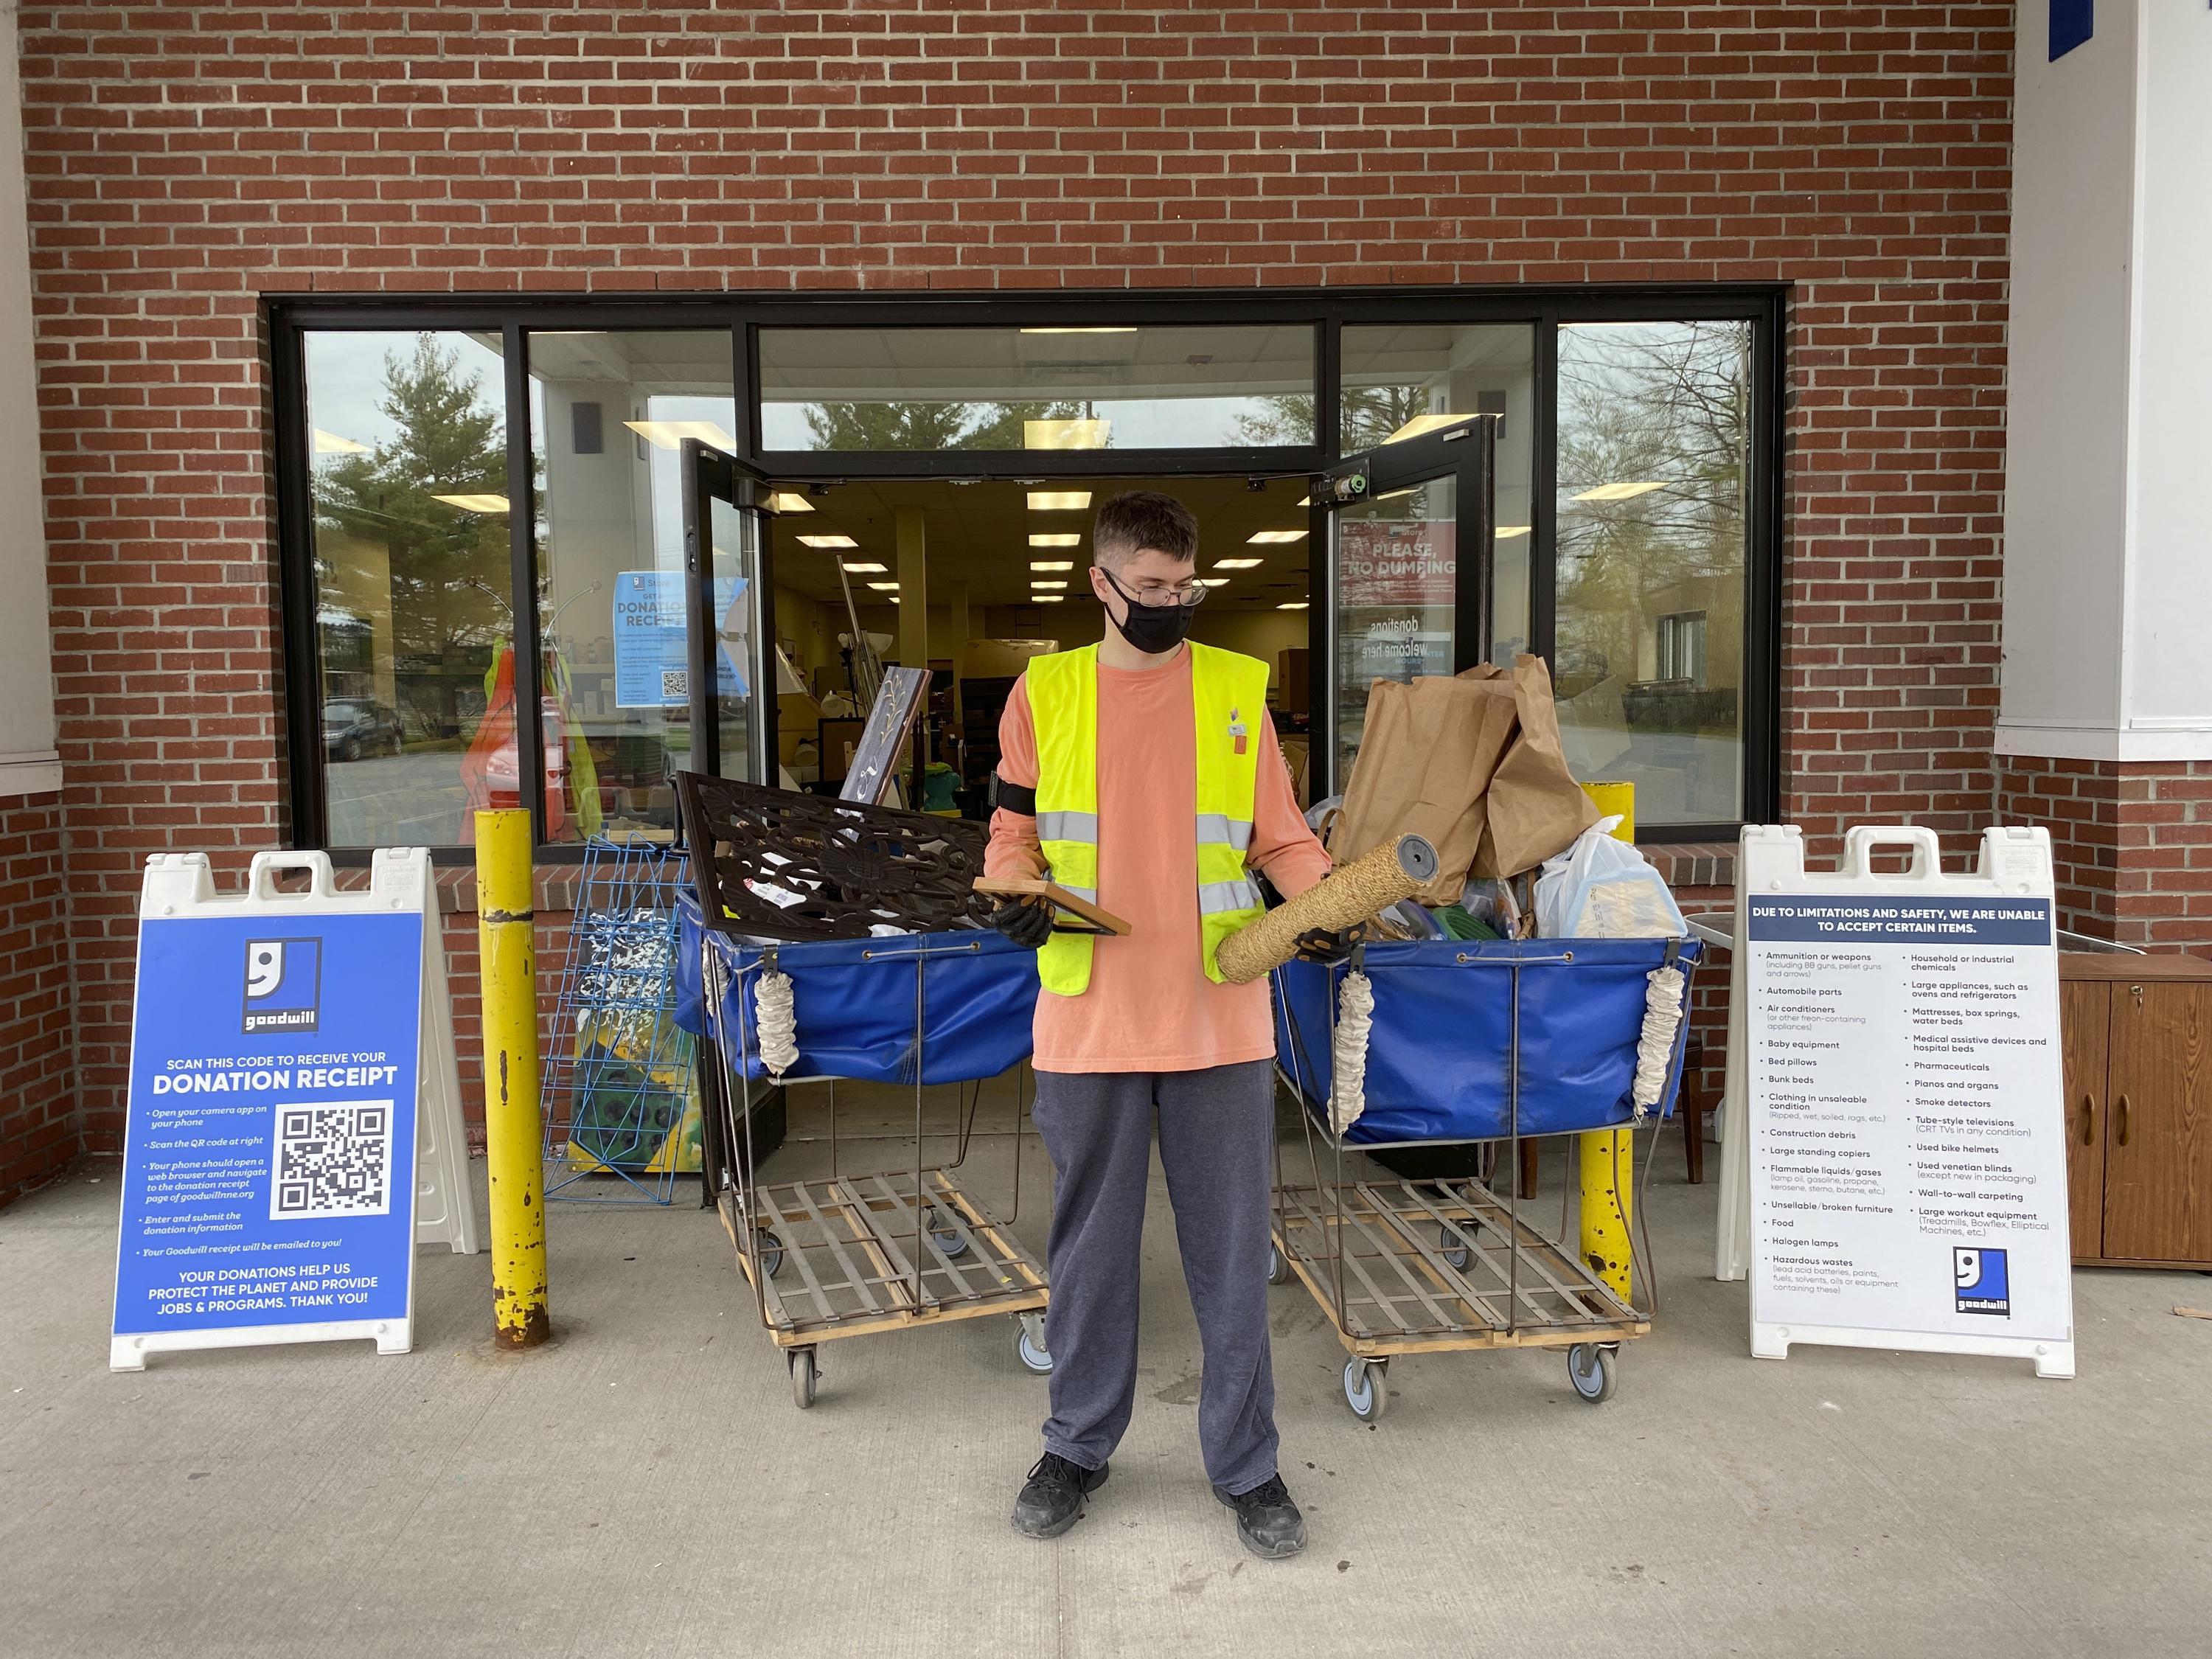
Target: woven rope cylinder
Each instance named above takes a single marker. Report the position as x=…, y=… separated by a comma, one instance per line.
x=1366, y=887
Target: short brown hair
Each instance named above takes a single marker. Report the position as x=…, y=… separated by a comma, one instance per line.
x=1139, y=519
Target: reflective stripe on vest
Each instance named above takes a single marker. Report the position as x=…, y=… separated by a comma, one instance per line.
x=1229, y=700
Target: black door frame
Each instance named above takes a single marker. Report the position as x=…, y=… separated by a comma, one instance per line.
x=710, y=476
x=1465, y=452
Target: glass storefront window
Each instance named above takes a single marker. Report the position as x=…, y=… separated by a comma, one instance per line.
x=1040, y=388
x=1402, y=380
x=413, y=595
x=608, y=412
x=1654, y=476
x=1394, y=559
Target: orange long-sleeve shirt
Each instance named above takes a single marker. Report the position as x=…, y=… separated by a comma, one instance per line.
x=1150, y=1007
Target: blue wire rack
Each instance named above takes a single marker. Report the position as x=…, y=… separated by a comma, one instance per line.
x=620, y=1098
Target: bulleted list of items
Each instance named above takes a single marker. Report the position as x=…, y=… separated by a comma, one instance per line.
x=1908, y=1170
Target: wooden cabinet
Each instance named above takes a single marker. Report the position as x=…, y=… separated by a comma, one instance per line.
x=2136, y=1037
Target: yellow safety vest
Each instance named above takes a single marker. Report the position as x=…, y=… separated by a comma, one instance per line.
x=1229, y=698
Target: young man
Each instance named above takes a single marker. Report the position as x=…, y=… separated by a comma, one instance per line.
x=1144, y=772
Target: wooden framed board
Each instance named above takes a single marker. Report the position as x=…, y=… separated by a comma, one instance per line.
x=1075, y=914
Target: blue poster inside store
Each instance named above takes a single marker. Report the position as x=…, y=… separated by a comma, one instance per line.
x=269, y=1166
x=652, y=664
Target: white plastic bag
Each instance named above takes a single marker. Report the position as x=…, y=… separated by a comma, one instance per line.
x=1600, y=888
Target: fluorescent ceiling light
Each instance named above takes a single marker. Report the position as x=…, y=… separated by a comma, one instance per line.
x=1420, y=423
x=1270, y=537
x=1057, y=538
x=668, y=434
x=1213, y=581
x=1621, y=492
x=1051, y=564
x=1295, y=605
x=865, y=568
x=475, y=503
x=1305, y=501
x=329, y=443
x=788, y=501
x=1047, y=598
x=1233, y=564
x=1059, y=500
x=1116, y=329
x=1506, y=532
x=884, y=587
x=1044, y=587
x=827, y=541
x=1065, y=435
x=1393, y=495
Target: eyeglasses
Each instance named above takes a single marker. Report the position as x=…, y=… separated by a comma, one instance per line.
x=1154, y=597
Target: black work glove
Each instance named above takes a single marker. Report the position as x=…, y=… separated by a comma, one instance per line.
x=1322, y=944
x=1026, y=920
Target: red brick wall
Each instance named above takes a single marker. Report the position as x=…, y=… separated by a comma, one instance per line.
x=38, y=1114
x=2132, y=841
x=185, y=159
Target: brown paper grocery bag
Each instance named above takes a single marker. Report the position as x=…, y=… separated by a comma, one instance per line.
x=1534, y=808
x=1426, y=757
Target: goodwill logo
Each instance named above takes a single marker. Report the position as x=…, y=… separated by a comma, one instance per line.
x=284, y=984
x=1982, y=1281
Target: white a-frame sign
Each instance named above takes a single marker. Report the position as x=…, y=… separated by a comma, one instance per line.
x=294, y=1123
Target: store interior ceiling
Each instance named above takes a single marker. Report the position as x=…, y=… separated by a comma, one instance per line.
x=981, y=533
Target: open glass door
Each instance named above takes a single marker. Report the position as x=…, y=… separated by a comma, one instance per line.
x=729, y=673
x=1407, y=529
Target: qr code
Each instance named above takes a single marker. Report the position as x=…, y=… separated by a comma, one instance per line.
x=333, y=1160
x=675, y=684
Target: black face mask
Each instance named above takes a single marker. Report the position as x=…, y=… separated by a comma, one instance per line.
x=1154, y=629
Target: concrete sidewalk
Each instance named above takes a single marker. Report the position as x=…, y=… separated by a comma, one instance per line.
x=645, y=1486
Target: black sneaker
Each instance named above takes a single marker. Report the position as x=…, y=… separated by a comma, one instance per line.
x=1266, y=1520
x=1053, y=1500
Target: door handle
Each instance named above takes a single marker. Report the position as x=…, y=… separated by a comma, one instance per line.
x=2088, y=1120
x=2121, y=1123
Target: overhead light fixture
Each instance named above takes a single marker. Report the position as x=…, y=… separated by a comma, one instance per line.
x=1305, y=501
x=475, y=503
x=1044, y=587
x=1271, y=538
x=1047, y=598
x=884, y=587
x=1051, y=564
x=865, y=568
x=1059, y=500
x=1057, y=538
x=1420, y=423
x=1233, y=564
x=671, y=434
x=329, y=443
x=1294, y=605
x=1065, y=435
x=1213, y=581
x=1114, y=329
x=787, y=500
x=1621, y=492
x=827, y=541
x=1506, y=532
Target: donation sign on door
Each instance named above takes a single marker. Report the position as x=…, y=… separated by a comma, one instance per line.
x=1908, y=1166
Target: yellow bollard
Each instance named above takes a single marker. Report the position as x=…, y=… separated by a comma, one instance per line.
x=509, y=956
x=1609, y=1156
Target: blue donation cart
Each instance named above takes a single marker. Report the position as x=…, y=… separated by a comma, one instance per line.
x=1451, y=1042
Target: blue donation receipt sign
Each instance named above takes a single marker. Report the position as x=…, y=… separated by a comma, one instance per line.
x=269, y=1170
x=652, y=662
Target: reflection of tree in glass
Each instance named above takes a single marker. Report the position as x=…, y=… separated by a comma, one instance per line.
x=1668, y=405
x=435, y=560
x=928, y=426
x=1370, y=415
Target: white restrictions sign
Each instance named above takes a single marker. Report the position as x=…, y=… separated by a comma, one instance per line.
x=1908, y=1163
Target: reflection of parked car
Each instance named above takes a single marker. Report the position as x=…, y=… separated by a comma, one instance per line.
x=354, y=726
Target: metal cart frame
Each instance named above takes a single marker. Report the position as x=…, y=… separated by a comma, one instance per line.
x=1442, y=1266
x=872, y=1253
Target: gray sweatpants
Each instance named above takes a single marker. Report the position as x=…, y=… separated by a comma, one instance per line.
x=1217, y=1134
